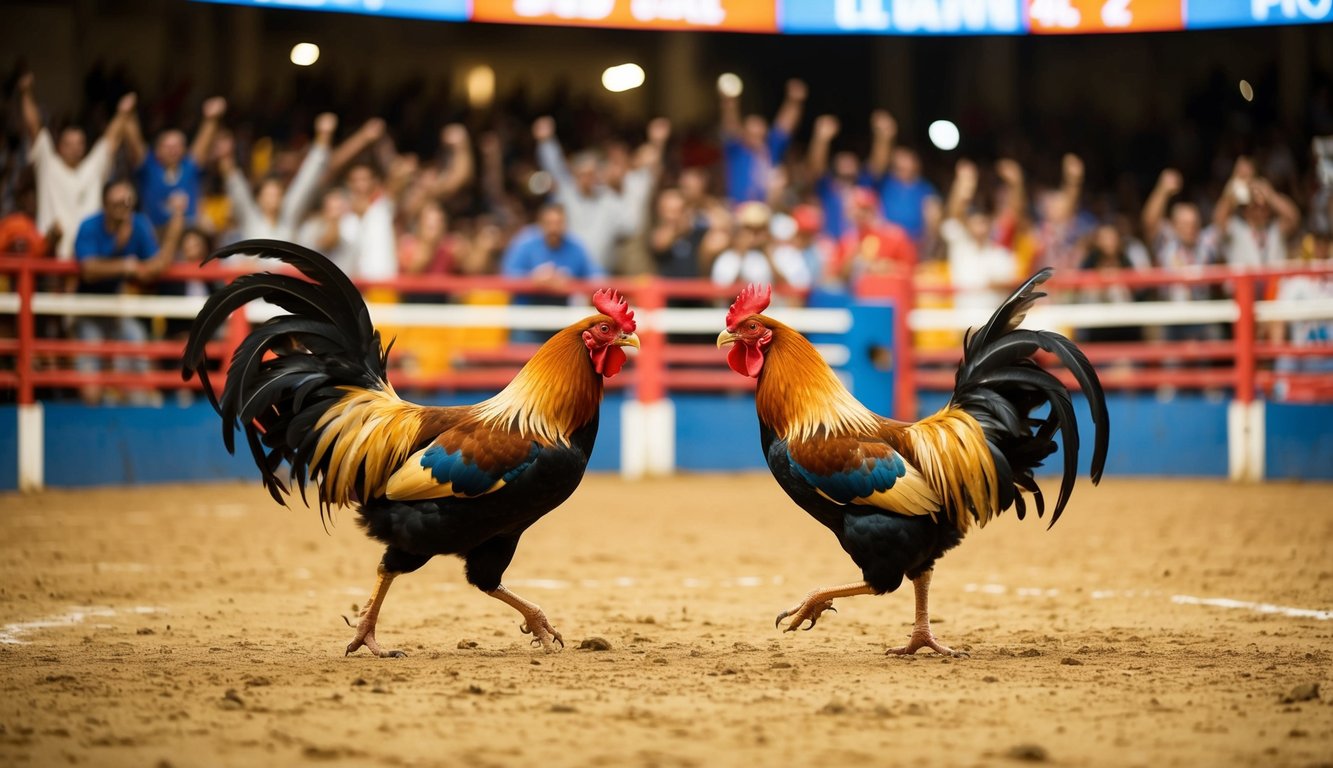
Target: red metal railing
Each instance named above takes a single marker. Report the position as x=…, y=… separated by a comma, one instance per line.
x=662, y=366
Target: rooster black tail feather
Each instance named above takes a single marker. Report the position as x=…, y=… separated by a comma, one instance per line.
x=292, y=368
x=1000, y=385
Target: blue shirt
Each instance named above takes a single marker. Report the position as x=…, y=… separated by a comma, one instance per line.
x=530, y=250
x=833, y=199
x=156, y=187
x=95, y=242
x=902, y=202
x=748, y=169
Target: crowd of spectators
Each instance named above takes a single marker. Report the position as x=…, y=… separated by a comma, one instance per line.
x=568, y=197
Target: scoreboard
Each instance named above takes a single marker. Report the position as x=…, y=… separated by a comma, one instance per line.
x=879, y=17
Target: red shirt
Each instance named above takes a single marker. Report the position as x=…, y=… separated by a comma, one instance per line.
x=886, y=247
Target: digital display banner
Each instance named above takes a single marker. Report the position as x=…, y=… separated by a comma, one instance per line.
x=725, y=15
x=874, y=17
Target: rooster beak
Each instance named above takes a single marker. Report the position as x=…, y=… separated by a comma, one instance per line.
x=627, y=340
x=725, y=338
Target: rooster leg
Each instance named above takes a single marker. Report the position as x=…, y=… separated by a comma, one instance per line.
x=534, y=623
x=365, y=628
x=921, y=635
x=817, y=602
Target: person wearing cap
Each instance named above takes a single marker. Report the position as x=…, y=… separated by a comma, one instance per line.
x=752, y=257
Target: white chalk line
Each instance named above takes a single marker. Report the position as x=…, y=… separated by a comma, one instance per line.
x=13, y=633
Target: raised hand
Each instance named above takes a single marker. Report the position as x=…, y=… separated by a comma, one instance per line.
x=826, y=127
x=214, y=108
x=1170, y=181
x=326, y=123
x=883, y=124
x=797, y=90
x=453, y=135
x=543, y=128
x=127, y=103
x=659, y=130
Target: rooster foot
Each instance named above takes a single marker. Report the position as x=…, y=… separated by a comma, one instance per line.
x=811, y=609
x=543, y=634
x=365, y=636
x=924, y=638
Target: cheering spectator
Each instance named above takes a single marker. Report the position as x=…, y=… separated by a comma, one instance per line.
x=1061, y=230
x=115, y=249
x=275, y=212
x=750, y=150
x=169, y=168
x=1178, y=241
x=599, y=215
x=811, y=246
x=548, y=254
x=833, y=186
x=1263, y=221
x=1109, y=254
x=69, y=178
x=873, y=246
x=908, y=200
x=683, y=242
x=19, y=233
x=979, y=267
x=437, y=182
x=366, y=228
x=752, y=257
x=429, y=248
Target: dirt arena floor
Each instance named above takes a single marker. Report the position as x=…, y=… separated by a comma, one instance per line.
x=1160, y=624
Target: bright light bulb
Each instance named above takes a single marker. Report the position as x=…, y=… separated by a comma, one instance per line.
x=480, y=86
x=305, y=54
x=730, y=85
x=622, y=77
x=943, y=134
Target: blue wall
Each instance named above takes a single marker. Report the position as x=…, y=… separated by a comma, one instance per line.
x=1185, y=436
x=1299, y=442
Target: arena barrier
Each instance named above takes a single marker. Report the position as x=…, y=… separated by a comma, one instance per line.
x=1206, y=407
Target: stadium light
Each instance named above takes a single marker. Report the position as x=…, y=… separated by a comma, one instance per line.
x=622, y=77
x=305, y=54
x=1246, y=90
x=480, y=86
x=729, y=84
x=944, y=135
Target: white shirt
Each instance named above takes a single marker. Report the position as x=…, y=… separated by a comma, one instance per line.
x=1246, y=248
x=370, y=251
x=978, y=271
x=66, y=196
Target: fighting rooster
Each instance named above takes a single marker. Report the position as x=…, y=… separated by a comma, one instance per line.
x=309, y=389
x=899, y=495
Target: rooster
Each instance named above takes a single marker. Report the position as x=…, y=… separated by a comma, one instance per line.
x=899, y=495
x=309, y=389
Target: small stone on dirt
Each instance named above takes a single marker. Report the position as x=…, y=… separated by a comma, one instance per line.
x=1070, y=661
x=990, y=679
x=466, y=644
x=1306, y=692
x=232, y=700
x=563, y=708
x=144, y=631
x=1029, y=652
x=595, y=644
x=1031, y=753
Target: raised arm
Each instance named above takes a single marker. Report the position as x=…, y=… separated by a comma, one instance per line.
x=1242, y=174
x=460, y=171
x=1015, y=204
x=883, y=130
x=789, y=114
x=550, y=156
x=1071, y=182
x=1154, y=210
x=300, y=196
x=491, y=149
x=963, y=190
x=32, y=114
x=826, y=127
x=243, y=206
x=119, y=125
x=729, y=106
x=370, y=132
x=1287, y=212
x=213, y=110
x=641, y=179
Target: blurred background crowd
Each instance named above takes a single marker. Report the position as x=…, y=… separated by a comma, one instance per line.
x=421, y=182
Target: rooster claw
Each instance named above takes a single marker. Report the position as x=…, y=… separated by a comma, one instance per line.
x=807, y=611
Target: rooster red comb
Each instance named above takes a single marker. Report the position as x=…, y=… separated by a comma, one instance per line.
x=752, y=301
x=611, y=304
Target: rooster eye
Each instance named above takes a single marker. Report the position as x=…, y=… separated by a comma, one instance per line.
x=753, y=326
x=604, y=328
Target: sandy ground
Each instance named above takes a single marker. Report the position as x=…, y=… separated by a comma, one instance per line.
x=200, y=625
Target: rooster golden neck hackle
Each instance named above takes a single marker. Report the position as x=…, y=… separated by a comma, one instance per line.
x=899, y=495
x=310, y=389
